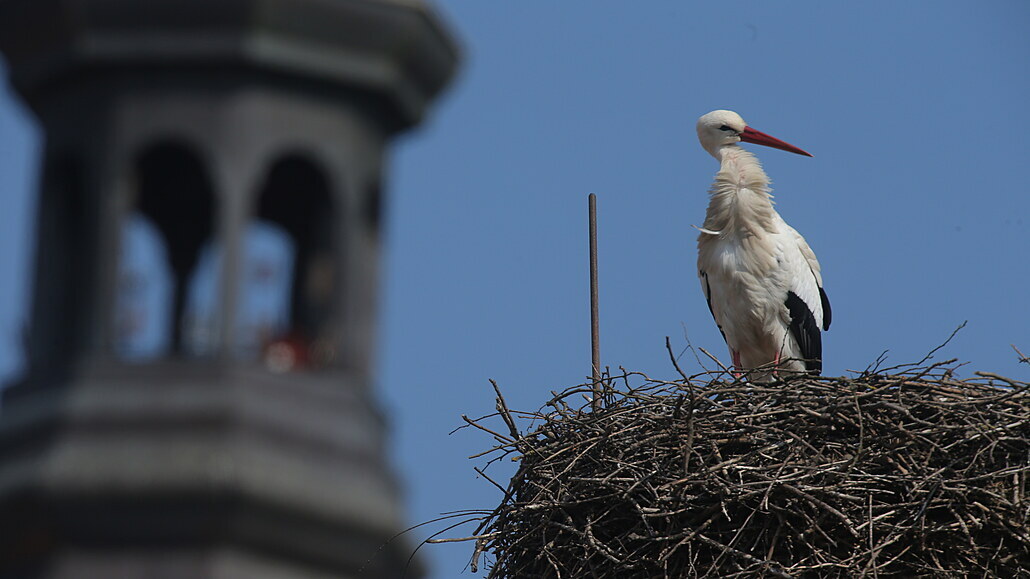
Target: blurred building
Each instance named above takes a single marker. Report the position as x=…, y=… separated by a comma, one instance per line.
x=197, y=401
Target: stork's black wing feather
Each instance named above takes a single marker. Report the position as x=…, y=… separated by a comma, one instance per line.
x=805, y=330
x=708, y=298
x=826, y=308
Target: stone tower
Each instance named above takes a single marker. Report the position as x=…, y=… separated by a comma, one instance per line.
x=197, y=402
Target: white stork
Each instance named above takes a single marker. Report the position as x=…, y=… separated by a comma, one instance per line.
x=760, y=277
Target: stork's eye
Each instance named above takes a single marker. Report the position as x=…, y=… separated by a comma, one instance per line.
x=725, y=128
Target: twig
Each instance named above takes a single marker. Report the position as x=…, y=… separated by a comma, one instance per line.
x=462, y=539
x=502, y=408
x=476, y=424
x=1022, y=358
x=934, y=351
x=714, y=359
x=672, y=357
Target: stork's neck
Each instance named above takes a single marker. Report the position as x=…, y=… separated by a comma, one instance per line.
x=740, y=200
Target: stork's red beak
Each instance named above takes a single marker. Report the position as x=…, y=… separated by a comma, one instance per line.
x=759, y=138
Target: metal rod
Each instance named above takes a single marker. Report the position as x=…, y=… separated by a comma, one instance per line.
x=595, y=329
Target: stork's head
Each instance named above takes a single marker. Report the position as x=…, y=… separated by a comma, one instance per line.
x=718, y=129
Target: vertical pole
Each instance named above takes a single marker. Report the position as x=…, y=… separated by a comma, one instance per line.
x=595, y=330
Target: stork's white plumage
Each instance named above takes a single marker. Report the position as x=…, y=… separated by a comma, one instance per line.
x=761, y=279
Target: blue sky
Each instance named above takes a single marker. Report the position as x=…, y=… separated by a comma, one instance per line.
x=917, y=201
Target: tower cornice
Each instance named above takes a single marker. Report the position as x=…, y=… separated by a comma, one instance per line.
x=395, y=49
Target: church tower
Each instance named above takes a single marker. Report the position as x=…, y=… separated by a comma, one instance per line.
x=197, y=399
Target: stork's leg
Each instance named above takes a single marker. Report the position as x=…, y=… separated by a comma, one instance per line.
x=776, y=364
x=736, y=363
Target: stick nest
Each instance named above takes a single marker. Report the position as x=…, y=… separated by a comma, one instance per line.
x=907, y=474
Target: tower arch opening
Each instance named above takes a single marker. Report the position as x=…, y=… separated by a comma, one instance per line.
x=170, y=221
x=289, y=291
